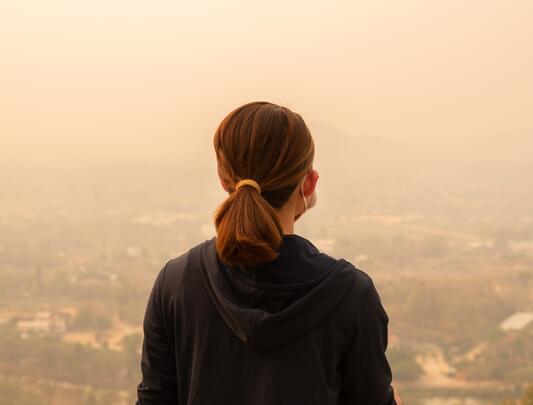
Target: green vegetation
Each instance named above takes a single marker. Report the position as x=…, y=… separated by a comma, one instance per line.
x=526, y=399
x=16, y=394
x=507, y=359
x=87, y=319
x=54, y=360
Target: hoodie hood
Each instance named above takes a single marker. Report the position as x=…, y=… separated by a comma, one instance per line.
x=265, y=315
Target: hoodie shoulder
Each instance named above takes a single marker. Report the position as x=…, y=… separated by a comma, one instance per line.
x=363, y=284
x=362, y=278
x=364, y=295
x=178, y=269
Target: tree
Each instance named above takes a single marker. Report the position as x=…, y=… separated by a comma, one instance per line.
x=527, y=397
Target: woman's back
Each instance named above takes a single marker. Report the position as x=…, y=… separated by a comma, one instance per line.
x=214, y=334
x=257, y=315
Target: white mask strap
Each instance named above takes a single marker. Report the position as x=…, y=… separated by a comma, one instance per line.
x=305, y=199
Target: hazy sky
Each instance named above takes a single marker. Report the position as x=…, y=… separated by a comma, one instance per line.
x=103, y=78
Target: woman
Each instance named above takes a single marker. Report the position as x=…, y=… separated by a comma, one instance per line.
x=257, y=315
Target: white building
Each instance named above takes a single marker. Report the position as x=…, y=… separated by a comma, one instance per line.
x=517, y=321
x=43, y=323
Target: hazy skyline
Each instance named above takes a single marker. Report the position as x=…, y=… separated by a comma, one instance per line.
x=421, y=113
x=99, y=80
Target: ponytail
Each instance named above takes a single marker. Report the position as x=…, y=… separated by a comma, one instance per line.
x=248, y=229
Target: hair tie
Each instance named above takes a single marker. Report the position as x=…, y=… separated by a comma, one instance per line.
x=248, y=182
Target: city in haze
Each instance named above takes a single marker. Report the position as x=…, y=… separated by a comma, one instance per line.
x=422, y=122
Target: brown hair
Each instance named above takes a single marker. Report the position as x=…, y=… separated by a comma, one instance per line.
x=272, y=145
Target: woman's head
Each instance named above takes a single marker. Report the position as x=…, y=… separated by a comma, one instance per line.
x=271, y=145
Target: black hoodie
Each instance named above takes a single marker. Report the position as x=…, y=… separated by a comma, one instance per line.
x=303, y=329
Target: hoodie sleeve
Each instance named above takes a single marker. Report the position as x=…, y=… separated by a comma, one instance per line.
x=159, y=383
x=367, y=375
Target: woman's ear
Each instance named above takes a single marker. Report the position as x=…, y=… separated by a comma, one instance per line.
x=310, y=182
x=316, y=176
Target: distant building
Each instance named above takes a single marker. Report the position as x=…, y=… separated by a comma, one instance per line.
x=43, y=323
x=517, y=321
x=37, y=326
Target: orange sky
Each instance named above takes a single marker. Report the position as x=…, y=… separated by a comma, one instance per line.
x=83, y=79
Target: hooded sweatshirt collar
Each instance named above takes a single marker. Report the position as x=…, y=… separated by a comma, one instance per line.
x=267, y=316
